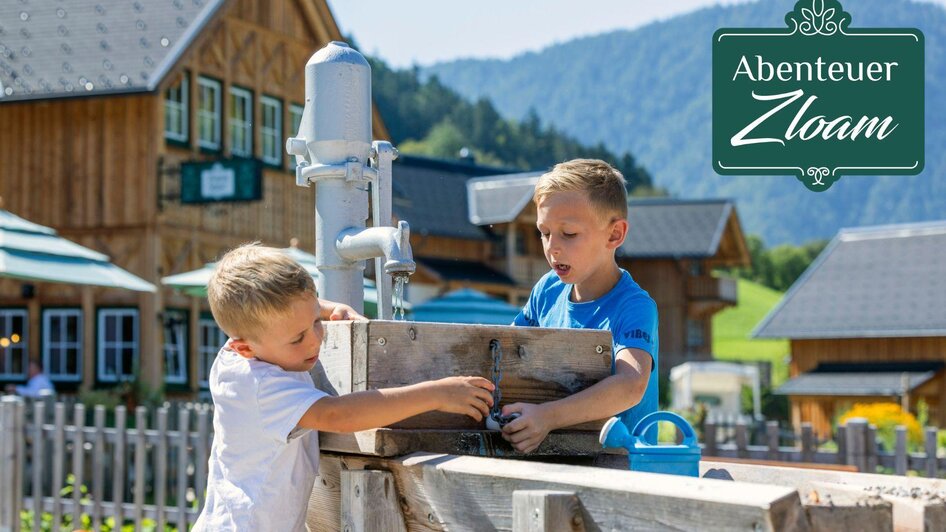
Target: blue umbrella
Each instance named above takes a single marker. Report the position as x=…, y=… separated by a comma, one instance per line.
x=466, y=306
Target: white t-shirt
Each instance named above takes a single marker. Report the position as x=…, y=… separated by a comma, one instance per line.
x=261, y=468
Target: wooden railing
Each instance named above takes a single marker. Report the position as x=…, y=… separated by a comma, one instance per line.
x=707, y=288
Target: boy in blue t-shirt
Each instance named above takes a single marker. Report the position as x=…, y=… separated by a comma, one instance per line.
x=582, y=217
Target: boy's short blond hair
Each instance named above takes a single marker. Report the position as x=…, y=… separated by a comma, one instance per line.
x=252, y=285
x=605, y=185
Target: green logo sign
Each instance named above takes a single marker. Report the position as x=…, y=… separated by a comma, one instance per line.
x=221, y=180
x=818, y=99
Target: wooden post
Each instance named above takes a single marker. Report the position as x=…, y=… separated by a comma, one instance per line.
x=807, y=443
x=39, y=417
x=19, y=438
x=9, y=517
x=546, y=511
x=841, y=437
x=118, y=473
x=88, y=338
x=871, y=450
x=857, y=443
x=931, y=460
x=900, y=456
x=709, y=435
x=201, y=452
x=771, y=433
x=183, y=431
x=98, y=466
x=742, y=440
x=370, y=502
x=78, y=463
x=141, y=450
x=59, y=449
x=161, y=468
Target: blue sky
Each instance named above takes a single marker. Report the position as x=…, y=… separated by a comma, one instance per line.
x=406, y=32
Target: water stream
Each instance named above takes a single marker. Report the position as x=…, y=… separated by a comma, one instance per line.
x=400, y=282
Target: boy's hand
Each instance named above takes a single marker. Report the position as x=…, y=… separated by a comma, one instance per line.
x=526, y=433
x=471, y=396
x=345, y=312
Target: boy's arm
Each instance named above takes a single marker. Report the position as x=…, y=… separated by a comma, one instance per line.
x=471, y=396
x=606, y=398
x=338, y=311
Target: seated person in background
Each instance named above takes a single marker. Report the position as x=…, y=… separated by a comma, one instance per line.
x=265, y=452
x=39, y=384
x=582, y=217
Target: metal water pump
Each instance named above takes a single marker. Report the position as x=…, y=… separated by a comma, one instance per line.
x=334, y=151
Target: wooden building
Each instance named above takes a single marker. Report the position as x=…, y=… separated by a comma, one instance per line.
x=100, y=104
x=867, y=323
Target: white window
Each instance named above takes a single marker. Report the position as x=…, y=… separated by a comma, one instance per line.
x=175, y=347
x=212, y=339
x=208, y=113
x=175, y=111
x=62, y=344
x=695, y=333
x=13, y=343
x=271, y=130
x=295, y=118
x=117, y=344
x=241, y=122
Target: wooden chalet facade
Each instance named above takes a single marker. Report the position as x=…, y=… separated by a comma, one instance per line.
x=867, y=323
x=93, y=132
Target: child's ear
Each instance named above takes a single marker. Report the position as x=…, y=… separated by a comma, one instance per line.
x=618, y=233
x=242, y=347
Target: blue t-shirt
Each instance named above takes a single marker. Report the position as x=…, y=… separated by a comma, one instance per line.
x=626, y=310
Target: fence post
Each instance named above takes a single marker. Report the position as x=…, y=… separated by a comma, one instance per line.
x=709, y=437
x=161, y=467
x=857, y=442
x=771, y=434
x=841, y=436
x=8, y=456
x=183, y=431
x=546, y=511
x=98, y=467
x=807, y=443
x=78, y=463
x=742, y=440
x=39, y=461
x=119, y=458
x=59, y=451
x=931, y=465
x=900, y=458
x=201, y=453
x=141, y=451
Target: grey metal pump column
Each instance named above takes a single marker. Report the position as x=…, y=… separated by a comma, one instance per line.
x=333, y=149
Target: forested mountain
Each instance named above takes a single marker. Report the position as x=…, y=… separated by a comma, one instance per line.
x=648, y=91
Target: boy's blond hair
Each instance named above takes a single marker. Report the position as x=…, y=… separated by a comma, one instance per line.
x=252, y=285
x=605, y=186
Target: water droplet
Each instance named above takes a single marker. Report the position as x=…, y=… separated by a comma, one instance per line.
x=99, y=9
x=165, y=42
x=138, y=7
x=8, y=90
x=140, y=24
x=24, y=16
x=89, y=86
x=107, y=64
x=61, y=13
x=63, y=31
x=66, y=67
x=123, y=78
x=101, y=28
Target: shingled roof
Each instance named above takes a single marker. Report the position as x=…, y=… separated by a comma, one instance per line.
x=431, y=194
x=872, y=282
x=675, y=228
x=92, y=47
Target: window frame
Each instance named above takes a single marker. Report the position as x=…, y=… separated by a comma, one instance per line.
x=22, y=346
x=215, y=115
x=182, y=318
x=120, y=374
x=696, y=333
x=275, y=159
x=247, y=125
x=182, y=107
x=207, y=352
x=47, y=344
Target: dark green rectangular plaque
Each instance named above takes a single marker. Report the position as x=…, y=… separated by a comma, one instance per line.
x=223, y=180
x=818, y=99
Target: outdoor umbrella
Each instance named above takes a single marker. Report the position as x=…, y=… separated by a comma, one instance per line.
x=466, y=306
x=195, y=282
x=33, y=252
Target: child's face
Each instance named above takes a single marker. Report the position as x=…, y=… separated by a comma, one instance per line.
x=578, y=240
x=293, y=340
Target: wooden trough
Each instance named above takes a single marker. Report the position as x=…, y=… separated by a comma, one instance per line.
x=410, y=476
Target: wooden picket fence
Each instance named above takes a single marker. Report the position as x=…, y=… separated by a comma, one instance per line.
x=856, y=442
x=122, y=471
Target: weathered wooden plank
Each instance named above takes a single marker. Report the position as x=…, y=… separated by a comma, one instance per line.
x=141, y=451
x=546, y=511
x=538, y=365
x=930, y=443
x=118, y=473
x=471, y=493
x=59, y=450
x=917, y=503
x=161, y=467
x=78, y=461
x=183, y=427
x=39, y=417
x=369, y=502
x=201, y=449
x=900, y=459
x=397, y=442
x=98, y=466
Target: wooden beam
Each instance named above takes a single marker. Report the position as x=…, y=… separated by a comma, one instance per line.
x=546, y=511
x=444, y=492
x=398, y=442
x=369, y=502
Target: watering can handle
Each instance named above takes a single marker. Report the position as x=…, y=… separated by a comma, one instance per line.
x=689, y=436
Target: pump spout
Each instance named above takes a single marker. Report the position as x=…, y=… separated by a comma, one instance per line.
x=394, y=244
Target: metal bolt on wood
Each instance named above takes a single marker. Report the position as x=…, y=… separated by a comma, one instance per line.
x=382, y=341
x=599, y=349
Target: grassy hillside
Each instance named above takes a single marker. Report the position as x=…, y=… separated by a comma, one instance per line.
x=732, y=326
